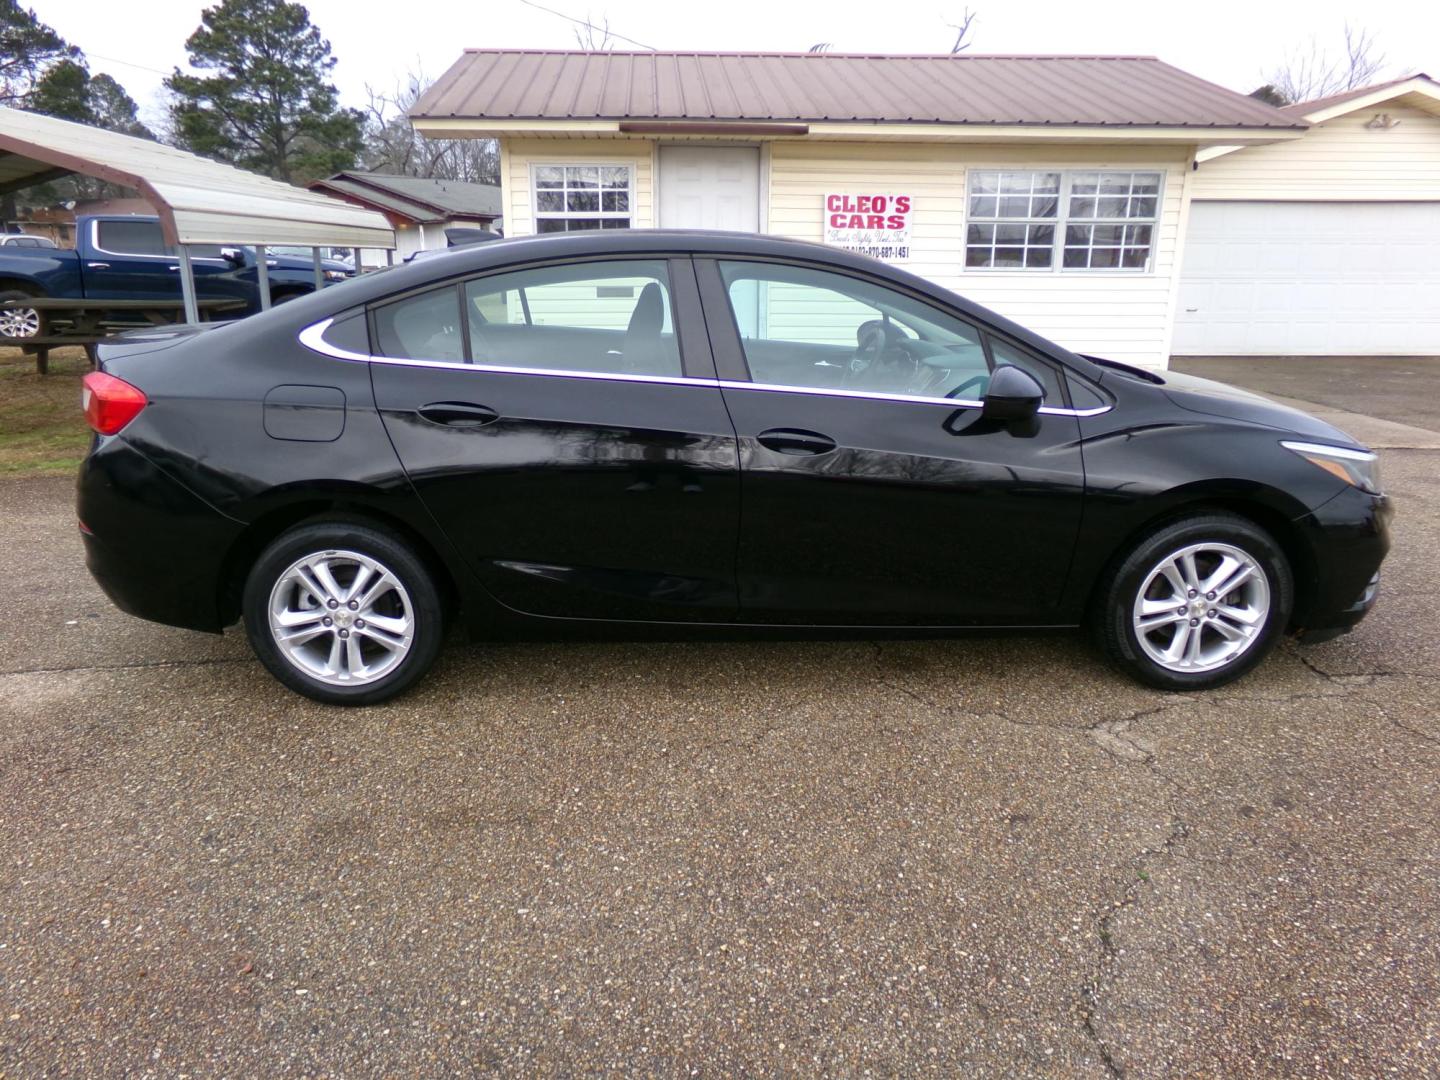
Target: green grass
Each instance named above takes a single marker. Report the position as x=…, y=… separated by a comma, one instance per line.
x=42, y=432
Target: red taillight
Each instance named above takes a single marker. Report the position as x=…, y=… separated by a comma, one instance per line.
x=109, y=403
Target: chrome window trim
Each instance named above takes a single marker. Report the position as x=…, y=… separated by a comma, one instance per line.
x=95, y=246
x=313, y=338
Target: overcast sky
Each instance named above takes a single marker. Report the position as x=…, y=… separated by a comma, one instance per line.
x=1231, y=42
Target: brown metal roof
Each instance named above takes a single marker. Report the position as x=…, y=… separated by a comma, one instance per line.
x=1110, y=91
x=1304, y=108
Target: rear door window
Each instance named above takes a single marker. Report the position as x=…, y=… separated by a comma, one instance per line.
x=425, y=326
x=612, y=317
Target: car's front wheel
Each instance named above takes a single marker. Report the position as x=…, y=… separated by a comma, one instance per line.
x=343, y=613
x=1197, y=603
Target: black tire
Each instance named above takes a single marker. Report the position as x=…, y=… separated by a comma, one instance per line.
x=417, y=591
x=1114, y=614
x=21, y=294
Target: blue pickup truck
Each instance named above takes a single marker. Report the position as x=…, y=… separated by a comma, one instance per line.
x=127, y=258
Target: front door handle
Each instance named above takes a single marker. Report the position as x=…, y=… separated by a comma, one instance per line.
x=796, y=441
x=97, y=266
x=458, y=414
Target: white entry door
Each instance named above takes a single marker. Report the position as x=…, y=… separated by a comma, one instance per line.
x=710, y=187
x=1264, y=279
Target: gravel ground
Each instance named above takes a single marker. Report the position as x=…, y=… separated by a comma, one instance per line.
x=977, y=857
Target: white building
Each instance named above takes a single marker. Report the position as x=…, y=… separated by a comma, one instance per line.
x=1052, y=189
x=1325, y=244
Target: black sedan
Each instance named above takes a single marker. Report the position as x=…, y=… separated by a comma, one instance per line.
x=700, y=430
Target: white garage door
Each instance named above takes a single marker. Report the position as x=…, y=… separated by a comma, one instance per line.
x=1277, y=279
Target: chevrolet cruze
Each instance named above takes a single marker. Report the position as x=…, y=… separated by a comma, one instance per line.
x=700, y=430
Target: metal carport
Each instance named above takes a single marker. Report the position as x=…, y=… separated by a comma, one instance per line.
x=199, y=201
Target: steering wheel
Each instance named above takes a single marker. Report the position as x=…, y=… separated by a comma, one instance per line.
x=880, y=359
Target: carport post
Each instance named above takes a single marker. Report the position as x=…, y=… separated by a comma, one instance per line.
x=319, y=269
x=262, y=271
x=187, y=287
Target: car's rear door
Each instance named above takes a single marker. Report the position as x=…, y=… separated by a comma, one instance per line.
x=564, y=425
x=873, y=491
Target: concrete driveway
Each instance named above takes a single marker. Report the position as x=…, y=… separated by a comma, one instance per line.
x=980, y=857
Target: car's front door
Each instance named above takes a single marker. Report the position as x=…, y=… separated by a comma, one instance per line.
x=873, y=491
x=564, y=425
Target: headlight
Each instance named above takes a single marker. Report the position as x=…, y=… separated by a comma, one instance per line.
x=1358, y=467
x=335, y=275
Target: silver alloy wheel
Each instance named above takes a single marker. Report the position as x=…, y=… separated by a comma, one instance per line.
x=19, y=322
x=1201, y=607
x=341, y=617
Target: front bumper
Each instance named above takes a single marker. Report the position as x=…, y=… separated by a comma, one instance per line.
x=154, y=547
x=1349, y=537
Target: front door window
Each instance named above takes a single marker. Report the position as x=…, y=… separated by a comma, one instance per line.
x=805, y=327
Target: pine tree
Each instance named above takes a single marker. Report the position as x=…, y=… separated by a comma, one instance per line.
x=269, y=104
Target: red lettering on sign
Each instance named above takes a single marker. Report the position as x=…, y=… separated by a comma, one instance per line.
x=896, y=221
x=902, y=203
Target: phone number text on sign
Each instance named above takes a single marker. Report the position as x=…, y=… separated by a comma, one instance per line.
x=873, y=225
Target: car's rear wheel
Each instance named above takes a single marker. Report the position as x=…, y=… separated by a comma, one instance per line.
x=343, y=613
x=1197, y=603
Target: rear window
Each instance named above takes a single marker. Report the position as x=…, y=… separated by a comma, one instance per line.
x=132, y=237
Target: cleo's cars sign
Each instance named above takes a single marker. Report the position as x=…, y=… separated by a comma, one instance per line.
x=874, y=225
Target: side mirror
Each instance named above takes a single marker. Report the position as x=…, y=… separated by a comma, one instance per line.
x=233, y=255
x=1013, y=395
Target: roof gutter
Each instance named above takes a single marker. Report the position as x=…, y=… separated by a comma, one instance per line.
x=474, y=127
x=720, y=127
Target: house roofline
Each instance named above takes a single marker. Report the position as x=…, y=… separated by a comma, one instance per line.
x=924, y=131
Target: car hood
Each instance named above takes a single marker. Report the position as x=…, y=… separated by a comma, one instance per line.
x=1219, y=399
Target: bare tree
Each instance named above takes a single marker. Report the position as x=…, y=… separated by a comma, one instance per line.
x=962, y=32
x=591, y=36
x=819, y=47
x=392, y=145
x=1311, y=71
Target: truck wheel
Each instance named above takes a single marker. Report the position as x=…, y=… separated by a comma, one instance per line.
x=20, y=322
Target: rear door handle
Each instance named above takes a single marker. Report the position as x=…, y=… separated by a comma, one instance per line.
x=796, y=441
x=458, y=414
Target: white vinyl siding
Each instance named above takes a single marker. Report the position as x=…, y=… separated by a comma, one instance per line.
x=1340, y=159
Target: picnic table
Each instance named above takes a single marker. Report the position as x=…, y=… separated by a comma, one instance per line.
x=86, y=323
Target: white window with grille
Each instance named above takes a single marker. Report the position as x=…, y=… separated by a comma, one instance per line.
x=1062, y=221
x=569, y=198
